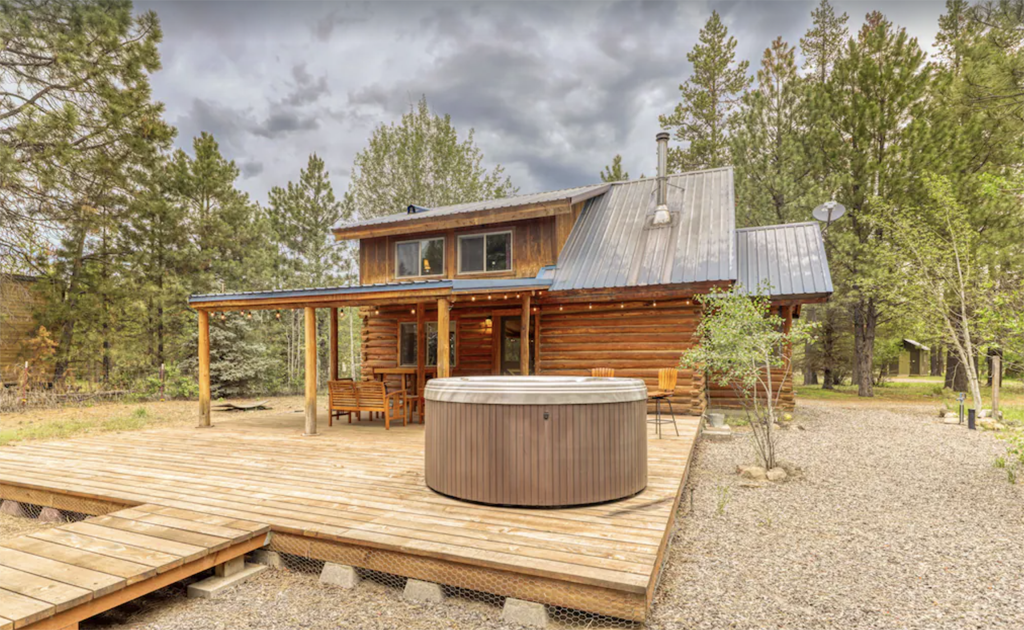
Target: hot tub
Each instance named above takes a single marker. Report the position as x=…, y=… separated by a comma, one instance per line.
x=538, y=441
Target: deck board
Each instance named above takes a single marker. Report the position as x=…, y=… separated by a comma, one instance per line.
x=74, y=570
x=354, y=485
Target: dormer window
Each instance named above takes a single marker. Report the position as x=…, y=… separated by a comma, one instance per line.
x=419, y=258
x=485, y=253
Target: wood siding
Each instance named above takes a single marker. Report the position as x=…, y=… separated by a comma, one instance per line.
x=634, y=339
x=536, y=243
x=513, y=455
x=18, y=301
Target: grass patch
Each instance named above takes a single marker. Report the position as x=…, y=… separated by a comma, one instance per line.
x=60, y=429
x=923, y=390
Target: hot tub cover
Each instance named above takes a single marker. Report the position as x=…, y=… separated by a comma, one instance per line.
x=535, y=390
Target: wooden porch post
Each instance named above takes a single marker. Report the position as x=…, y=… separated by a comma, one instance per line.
x=421, y=355
x=204, y=368
x=524, y=337
x=443, y=349
x=334, y=343
x=310, y=336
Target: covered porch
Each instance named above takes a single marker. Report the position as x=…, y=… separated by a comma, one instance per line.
x=414, y=332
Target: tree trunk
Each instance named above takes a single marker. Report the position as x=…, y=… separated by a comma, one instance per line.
x=936, y=362
x=828, y=349
x=956, y=375
x=67, y=327
x=865, y=321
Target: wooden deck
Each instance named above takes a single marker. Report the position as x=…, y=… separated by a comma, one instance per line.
x=54, y=578
x=355, y=494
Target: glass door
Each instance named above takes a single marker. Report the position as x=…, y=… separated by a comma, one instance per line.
x=510, y=343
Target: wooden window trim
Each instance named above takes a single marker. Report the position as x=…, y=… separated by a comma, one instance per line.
x=421, y=241
x=511, y=253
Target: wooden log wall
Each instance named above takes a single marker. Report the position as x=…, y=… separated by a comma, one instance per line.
x=636, y=339
x=726, y=396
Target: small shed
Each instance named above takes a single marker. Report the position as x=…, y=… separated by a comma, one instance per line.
x=914, y=360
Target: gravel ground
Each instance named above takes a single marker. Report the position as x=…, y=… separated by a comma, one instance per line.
x=896, y=522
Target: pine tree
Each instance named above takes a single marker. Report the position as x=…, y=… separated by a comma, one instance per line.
x=615, y=172
x=709, y=98
x=768, y=143
x=875, y=136
x=420, y=160
x=824, y=42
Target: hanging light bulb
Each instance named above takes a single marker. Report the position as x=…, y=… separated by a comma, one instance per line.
x=223, y=316
x=472, y=299
x=559, y=307
x=654, y=304
x=277, y=314
x=623, y=305
x=413, y=311
x=590, y=306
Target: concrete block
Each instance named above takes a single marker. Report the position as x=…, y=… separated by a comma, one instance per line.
x=231, y=567
x=420, y=591
x=267, y=558
x=13, y=508
x=717, y=434
x=529, y=614
x=339, y=575
x=214, y=586
x=51, y=515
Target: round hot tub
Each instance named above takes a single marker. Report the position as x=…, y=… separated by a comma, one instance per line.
x=539, y=441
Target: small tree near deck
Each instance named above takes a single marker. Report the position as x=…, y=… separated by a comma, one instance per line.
x=743, y=345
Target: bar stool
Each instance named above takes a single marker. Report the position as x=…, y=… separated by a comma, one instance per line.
x=666, y=387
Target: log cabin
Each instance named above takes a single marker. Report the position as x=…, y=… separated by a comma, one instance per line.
x=560, y=282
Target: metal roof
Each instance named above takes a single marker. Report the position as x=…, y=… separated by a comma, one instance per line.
x=573, y=195
x=788, y=259
x=613, y=243
x=455, y=286
x=917, y=344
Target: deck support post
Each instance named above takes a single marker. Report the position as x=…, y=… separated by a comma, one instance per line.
x=310, y=335
x=334, y=344
x=204, y=368
x=443, y=340
x=421, y=355
x=524, y=337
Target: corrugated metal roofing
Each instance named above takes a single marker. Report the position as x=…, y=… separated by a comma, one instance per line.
x=788, y=259
x=613, y=245
x=574, y=195
x=417, y=285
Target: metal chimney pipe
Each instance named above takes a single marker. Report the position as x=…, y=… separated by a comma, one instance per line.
x=662, y=139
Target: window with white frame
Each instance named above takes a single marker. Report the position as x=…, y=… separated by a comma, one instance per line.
x=407, y=344
x=485, y=252
x=419, y=258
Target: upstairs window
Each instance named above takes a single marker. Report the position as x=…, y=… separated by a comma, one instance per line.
x=485, y=252
x=419, y=258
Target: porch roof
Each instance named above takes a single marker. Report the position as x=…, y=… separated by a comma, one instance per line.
x=293, y=298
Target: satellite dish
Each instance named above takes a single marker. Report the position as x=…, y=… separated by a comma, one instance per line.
x=829, y=211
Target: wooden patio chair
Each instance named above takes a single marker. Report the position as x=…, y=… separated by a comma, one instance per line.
x=373, y=396
x=667, y=378
x=342, y=400
x=603, y=372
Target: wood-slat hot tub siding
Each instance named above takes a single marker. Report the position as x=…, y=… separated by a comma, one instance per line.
x=511, y=455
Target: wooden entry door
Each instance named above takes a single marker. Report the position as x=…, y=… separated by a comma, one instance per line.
x=509, y=347
x=915, y=362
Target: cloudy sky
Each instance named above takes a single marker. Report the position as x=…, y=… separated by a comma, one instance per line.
x=553, y=90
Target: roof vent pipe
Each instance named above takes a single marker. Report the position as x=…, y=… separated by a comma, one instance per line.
x=661, y=214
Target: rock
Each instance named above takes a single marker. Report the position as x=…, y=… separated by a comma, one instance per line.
x=717, y=434
x=753, y=472
x=776, y=474
x=13, y=508
x=985, y=413
x=951, y=420
x=988, y=424
x=1000, y=426
x=271, y=559
x=792, y=470
x=950, y=414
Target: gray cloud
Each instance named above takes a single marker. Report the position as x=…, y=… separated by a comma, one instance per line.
x=553, y=90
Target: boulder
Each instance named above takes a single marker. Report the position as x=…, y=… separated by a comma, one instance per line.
x=776, y=474
x=753, y=472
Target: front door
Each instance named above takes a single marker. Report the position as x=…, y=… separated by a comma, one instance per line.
x=510, y=342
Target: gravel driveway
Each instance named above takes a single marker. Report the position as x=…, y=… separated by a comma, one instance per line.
x=897, y=522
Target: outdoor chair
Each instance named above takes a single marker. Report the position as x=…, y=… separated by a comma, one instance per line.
x=667, y=378
x=603, y=372
x=341, y=400
x=373, y=396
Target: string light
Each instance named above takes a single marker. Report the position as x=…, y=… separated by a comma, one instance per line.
x=413, y=311
x=623, y=305
x=559, y=307
x=654, y=304
x=506, y=297
x=223, y=316
x=249, y=315
x=277, y=314
x=472, y=299
x=590, y=306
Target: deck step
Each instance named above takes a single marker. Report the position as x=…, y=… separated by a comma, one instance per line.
x=56, y=577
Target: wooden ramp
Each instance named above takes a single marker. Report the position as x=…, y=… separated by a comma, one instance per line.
x=55, y=578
